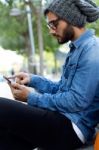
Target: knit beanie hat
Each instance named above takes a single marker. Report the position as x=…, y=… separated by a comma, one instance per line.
x=75, y=12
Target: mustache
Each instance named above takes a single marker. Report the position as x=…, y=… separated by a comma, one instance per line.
x=55, y=35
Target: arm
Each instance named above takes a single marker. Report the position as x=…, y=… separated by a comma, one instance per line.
x=43, y=85
x=81, y=92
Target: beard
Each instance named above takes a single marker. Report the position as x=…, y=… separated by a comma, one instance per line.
x=68, y=35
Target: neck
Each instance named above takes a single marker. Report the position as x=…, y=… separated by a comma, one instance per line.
x=78, y=32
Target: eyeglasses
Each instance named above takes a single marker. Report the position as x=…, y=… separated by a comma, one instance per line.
x=53, y=24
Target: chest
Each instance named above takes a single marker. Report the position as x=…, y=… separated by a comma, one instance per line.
x=69, y=70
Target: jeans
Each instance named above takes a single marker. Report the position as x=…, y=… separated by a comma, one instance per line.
x=24, y=127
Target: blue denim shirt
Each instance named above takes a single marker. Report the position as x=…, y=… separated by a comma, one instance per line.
x=76, y=95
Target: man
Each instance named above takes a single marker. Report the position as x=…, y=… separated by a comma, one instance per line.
x=62, y=115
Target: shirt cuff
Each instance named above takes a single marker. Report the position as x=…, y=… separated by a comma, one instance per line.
x=34, y=80
x=32, y=99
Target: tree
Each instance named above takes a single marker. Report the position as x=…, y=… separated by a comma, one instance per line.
x=14, y=30
x=95, y=25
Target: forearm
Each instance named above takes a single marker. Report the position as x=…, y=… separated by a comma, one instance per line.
x=62, y=102
x=43, y=85
x=77, y=98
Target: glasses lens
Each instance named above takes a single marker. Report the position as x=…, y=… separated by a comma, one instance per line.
x=53, y=24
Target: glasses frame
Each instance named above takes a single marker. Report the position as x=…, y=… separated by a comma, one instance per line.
x=53, y=24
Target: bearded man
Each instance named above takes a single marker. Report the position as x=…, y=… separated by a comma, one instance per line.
x=64, y=115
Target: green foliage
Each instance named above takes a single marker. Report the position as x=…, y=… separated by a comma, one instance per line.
x=50, y=43
x=95, y=26
x=10, y=2
x=97, y=2
x=14, y=30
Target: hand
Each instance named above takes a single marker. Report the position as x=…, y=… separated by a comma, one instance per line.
x=20, y=92
x=21, y=78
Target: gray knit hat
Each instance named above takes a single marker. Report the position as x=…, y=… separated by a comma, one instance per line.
x=75, y=12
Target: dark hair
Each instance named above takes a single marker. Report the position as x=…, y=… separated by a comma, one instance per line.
x=46, y=11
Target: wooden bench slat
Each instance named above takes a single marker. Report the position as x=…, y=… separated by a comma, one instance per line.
x=96, y=145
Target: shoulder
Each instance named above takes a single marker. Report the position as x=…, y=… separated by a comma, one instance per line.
x=91, y=46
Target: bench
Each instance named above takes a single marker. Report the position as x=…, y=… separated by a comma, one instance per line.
x=96, y=145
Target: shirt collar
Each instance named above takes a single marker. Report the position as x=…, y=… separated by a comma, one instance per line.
x=82, y=38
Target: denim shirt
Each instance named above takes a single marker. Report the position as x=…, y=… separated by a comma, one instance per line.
x=76, y=95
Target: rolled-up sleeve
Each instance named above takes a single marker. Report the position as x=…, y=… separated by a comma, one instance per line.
x=43, y=85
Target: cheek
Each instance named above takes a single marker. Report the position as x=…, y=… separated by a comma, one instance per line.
x=60, y=31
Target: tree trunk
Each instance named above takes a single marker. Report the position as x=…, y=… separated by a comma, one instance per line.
x=40, y=37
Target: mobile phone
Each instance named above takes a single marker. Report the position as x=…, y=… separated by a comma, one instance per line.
x=7, y=79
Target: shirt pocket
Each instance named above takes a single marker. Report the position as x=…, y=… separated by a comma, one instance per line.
x=69, y=73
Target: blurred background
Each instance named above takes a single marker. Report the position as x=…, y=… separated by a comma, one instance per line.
x=25, y=43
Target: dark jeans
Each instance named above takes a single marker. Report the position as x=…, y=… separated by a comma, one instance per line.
x=23, y=127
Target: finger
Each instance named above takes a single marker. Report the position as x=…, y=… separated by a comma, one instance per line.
x=16, y=86
x=12, y=77
x=19, y=75
x=18, y=80
x=15, y=93
x=24, y=81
